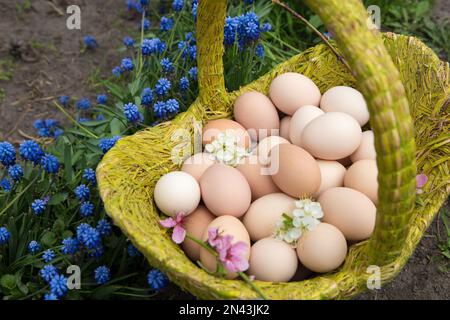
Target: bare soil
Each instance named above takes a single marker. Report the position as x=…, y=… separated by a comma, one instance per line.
x=48, y=62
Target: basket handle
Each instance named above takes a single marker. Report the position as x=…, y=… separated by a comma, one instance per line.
x=378, y=80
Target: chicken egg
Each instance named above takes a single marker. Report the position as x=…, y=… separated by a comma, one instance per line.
x=284, y=127
x=264, y=147
x=212, y=129
x=300, y=119
x=195, y=224
x=332, y=175
x=197, y=164
x=362, y=176
x=366, y=149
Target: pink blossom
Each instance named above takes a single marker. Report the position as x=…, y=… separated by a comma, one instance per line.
x=179, y=232
x=421, y=180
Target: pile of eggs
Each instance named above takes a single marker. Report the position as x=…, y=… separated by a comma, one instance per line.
x=316, y=144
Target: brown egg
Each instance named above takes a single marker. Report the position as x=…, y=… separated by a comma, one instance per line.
x=195, y=224
x=260, y=183
x=284, y=127
x=272, y=260
x=322, y=249
x=366, y=149
x=214, y=127
x=332, y=175
x=300, y=120
x=296, y=172
x=226, y=225
x=225, y=191
x=257, y=114
x=197, y=164
x=264, y=213
x=290, y=91
x=264, y=147
x=350, y=211
x=362, y=176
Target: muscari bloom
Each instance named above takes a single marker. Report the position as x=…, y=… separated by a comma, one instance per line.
x=128, y=42
x=194, y=9
x=38, y=206
x=90, y=42
x=102, y=275
x=50, y=297
x=157, y=280
x=4, y=235
x=166, y=65
x=184, y=83
x=177, y=5
x=58, y=285
x=31, y=151
x=179, y=232
x=132, y=251
x=147, y=24
x=48, y=255
x=154, y=45
x=50, y=163
x=104, y=227
x=259, y=50
x=70, y=245
x=193, y=73
x=82, y=192
x=64, y=100
x=89, y=176
x=162, y=86
x=47, y=128
x=127, y=64
x=131, y=112
x=48, y=272
x=88, y=236
x=102, y=98
x=165, y=109
x=15, y=172
x=86, y=209
x=147, y=97
x=7, y=154
x=5, y=184
x=144, y=2
x=266, y=27
x=97, y=252
x=34, y=247
x=83, y=104
x=230, y=29
x=105, y=144
x=117, y=71
x=166, y=24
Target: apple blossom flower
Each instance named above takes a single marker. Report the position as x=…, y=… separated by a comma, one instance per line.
x=179, y=232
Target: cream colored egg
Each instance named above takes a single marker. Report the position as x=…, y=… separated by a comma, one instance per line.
x=284, y=127
x=332, y=175
x=300, y=119
x=257, y=114
x=332, y=136
x=177, y=192
x=347, y=100
x=264, y=213
x=350, y=211
x=264, y=147
x=260, y=183
x=322, y=249
x=195, y=225
x=366, y=149
x=225, y=191
x=197, y=164
x=226, y=225
x=363, y=176
x=290, y=91
x=272, y=260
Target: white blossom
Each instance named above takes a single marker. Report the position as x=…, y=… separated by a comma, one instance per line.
x=225, y=148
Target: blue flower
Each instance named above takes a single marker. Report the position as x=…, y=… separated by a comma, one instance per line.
x=183, y=47
x=159, y=109
x=7, y=153
x=64, y=100
x=154, y=45
x=82, y=192
x=102, y=98
x=166, y=65
x=58, y=285
x=147, y=97
x=259, y=50
x=157, y=280
x=131, y=112
x=266, y=27
x=86, y=209
x=328, y=35
x=128, y=42
x=5, y=184
x=193, y=73
x=100, y=117
x=105, y=144
x=83, y=104
x=88, y=236
x=194, y=10
x=46, y=128
x=4, y=235
x=15, y=172
x=189, y=37
x=192, y=50
x=83, y=120
x=231, y=24
x=144, y=2
x=48, y=255
x=34, y=247
x=50, y=297
x=97, y=252
x=166, y=24
x=102, y=275
x=70, y=245
x=127, y=64
x=132, y=251
x=147, y=24
x=172, y=106
x=177, y=5
x=38, y=206
x=162, y=86
x=248, y=1
x=104, y=227
x=248, y=28
x=132, y=5
x=184, y=83
x=117, y=71
x=89, y=176
x=48, y=272
x=31, y=151
x=90, y=42
x=50, y=163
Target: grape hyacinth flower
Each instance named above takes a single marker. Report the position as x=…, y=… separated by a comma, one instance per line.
x=15, y=172
x=50, y=297
x=194, y=9
x=103, y=227
x=46, y=128
x=48, y=272
x=184, y=83
x=157, y=280
x=58, y=286
x=177, y=5
x=132, y=251
x=48, y=255
x=230, y=29
x=266, y=27
x=38, y=206
x=179, y=232
x=105, y=144
x=70, y=246
x=88, y=236
x=162, y=86
x=7, y=154
x=131, y=112
x=102, y=98
x=128, y=42
x=82, y=192
x=90, y=42
x=166, y=24
x=127, y=64
x=144, y=2
x=102, y=275
x=147, y=97
x=50, y=163
x=4, y=235
x=34, y=247
x=5, y=184
x=117, y=71
x=154, y=45
x=259, y=50
x=193, y=73
x=147, y=24
x=86, y=209
x=83, y=104
x=31, y=151
x=166, y=65
x=97, y=252
x=64, y=100
x=89, y=176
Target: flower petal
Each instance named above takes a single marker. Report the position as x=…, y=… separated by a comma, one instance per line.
x=421, y=180
x=168, y=223
x=178, y=235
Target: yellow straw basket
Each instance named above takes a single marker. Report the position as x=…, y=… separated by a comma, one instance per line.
x=407, y=90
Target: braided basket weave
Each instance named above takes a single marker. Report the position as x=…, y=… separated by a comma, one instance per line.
x=407, y=90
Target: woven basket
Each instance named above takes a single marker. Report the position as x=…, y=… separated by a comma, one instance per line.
x=407, y=90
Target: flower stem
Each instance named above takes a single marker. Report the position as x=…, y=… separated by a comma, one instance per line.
x=74, y=121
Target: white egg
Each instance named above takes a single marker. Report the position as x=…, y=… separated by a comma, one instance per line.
x=299, y=121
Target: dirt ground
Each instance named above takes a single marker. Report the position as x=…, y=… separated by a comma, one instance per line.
x=48, y=62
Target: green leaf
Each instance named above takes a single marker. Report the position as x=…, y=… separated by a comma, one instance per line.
x=315, y=21
x=59, y=225
x=66, y=234
x=57, y=198
x=48, y=239
x=422, y=8
x=68, y=162
x=8, y=281
x=116, y=127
